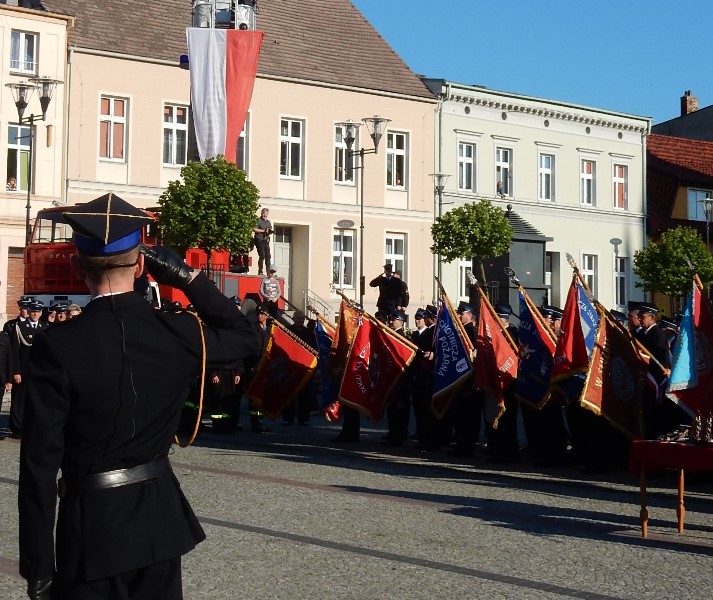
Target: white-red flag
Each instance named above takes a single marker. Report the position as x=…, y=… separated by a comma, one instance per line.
x=223, y=65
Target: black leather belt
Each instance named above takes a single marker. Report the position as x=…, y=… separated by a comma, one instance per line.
x=111, y=479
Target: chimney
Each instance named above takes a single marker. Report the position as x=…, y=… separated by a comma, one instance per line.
x=689, y=103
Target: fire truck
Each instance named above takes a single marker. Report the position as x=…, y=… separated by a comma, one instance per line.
x=49, y=277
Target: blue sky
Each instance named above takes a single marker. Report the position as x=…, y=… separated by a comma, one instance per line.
x=631, y=56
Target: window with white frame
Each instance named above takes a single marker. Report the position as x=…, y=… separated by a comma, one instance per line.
x=697, y=204
x=546, y=177
x=503, y=172
x=463, y=280
x=343, y=162
x=23, y=52
x=588, y=182
x=291, y=140
x=241, y=152
x=112, y=128
x=395, y=251
x=620, y=179
x=175, y=134
x=396, y=144
x=343, y=258
x=621, y=281
x=466, y=167
x=589, y=271
x=18, y=158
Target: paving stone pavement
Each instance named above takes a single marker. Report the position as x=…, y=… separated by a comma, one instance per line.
x=290, y=516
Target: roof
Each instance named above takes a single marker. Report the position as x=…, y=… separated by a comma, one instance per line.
x=523, y=229
x=325, y=41
x=692, y=156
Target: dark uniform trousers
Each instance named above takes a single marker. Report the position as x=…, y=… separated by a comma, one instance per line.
x=21, y=341
x=105, y=392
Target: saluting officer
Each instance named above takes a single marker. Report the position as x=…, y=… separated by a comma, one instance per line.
x=104, y=398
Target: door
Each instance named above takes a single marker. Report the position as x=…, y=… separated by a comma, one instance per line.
x=281, y=256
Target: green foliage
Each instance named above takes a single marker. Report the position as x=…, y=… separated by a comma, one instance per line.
x=662, y=266
x=478, y=229
x=213, y=208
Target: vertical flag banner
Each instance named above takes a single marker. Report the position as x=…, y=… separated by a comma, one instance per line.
x=223, y=66
x=616, y=379
x=496, y=362
x=330, y=387
x=589, y=319
x=536, y=351
x=691, y=382
x=452, y=365
x=284, y=369
x=570, y=355
x=376, y=362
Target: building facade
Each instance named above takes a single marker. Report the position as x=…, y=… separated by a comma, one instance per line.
x=575, y=174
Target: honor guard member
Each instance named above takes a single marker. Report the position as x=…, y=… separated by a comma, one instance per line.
x=423, y=381
x=389, y=292
x=20, y=345
x=634, y=323
x=104, y=398
x=22, y=307
x=398, y=408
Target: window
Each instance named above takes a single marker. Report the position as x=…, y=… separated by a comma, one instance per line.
x=112, y=128
x=503, y=172
x=696, y=204
x=589, y=271
x=546, y=177
x=343, y=163
x=241, y=153
x=466, y=156
x=291, y=148
x=587, y=178
x=18, y=158
x=396, y=160
x=343, y=258
x=395, y=251
x=621, y=268
x=621, y=192
x=23, y=52
x=464, y=284
x=175, y=134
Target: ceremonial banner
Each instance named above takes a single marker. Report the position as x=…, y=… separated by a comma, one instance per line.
x=588, y=318
x=616, y=379
x=376, y=361
x=691, y=381
x=284, y=369
x=452, y=365
x=536, y=350
x=570, y=355
x=223, y=65
x=329, y=386
x=496, y=361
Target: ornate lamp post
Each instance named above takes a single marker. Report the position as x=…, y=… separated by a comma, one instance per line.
x=376, y=126
x=439, y=184
x=21, y=94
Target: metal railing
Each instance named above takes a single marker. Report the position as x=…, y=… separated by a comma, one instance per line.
x=319, y=304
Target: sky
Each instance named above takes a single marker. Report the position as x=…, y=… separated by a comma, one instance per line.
x=631, y=56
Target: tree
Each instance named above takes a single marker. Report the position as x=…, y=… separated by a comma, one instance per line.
x=478, y=230
x=213, y=208
x=662, y=265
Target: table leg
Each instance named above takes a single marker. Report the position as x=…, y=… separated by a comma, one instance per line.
x=680, y=510
x=644, y=514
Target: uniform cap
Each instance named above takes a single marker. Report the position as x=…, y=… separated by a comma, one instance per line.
x=107, y=225
x=35, y=305
x=551, y=311
x=645, y=308
x=464, y=307
x=618, y=315
x=667, y=322
x=431, y=311
x=503, y=310
x=397, y=314
x=388, y=266
x=272, y=269
x=633, y=305
x=420, y=313
x=262, y=308
x=24, y=303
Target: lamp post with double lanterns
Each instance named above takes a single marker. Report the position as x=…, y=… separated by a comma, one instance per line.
x=21, y=94
x=376, y=126
x=439, y=184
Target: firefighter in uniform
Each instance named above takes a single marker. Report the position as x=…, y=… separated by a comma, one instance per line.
x=466, y=412
x=398, y=408
x=104, y=396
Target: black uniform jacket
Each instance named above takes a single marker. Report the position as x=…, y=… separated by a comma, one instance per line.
x=654, y=340
x=105, y=392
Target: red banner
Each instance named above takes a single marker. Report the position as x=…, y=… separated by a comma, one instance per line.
x=495, y=361
x=285, y=368
x=570, y=355
x=343, y=339
x=616, y=380
x=376, y=361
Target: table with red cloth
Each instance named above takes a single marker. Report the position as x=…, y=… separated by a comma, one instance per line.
x=653, y=455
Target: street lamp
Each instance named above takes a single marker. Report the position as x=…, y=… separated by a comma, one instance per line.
x=21, y=94
x=376, y=126
x=708, y=212
x=439, y=184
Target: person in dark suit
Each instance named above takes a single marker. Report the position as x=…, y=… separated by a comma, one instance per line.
x=398, y=407
x=426, y=423
x=389, y=292
x=105, y=392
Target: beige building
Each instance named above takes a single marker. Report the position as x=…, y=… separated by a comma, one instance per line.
x=575, y=174
x=33, y=44
x=321, y=64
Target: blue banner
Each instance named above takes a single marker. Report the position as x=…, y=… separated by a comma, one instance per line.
x=533, y=375
x=452, y=364
x=589, y=318
x=684, y=371
x=330, y=388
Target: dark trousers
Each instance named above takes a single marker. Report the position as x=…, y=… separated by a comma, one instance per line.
x=263, y=252
x=398, y=412
x=161, y=580
x=351, y=424
x=504, y=440
x=17, y=407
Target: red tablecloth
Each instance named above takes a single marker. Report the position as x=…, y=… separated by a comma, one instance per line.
x=656, y=455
